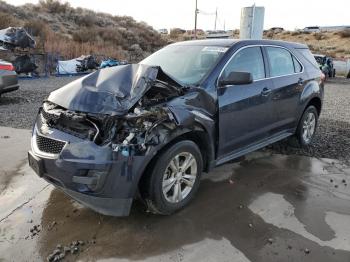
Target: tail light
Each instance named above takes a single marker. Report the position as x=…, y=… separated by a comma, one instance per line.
x=323, y=77
x=7, y=67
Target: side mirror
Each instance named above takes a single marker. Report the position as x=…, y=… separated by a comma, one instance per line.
x=236, y=78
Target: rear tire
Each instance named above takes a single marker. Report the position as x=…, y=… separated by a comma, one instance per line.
x=307, y=126
x=174, y=178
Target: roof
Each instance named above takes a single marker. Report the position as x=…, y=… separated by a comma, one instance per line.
x=209, y=42
x=230, y=42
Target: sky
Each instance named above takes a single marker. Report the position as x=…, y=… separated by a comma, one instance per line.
x=168, y=14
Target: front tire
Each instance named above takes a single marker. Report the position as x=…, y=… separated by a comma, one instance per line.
x=307, y=126
x=174, y=178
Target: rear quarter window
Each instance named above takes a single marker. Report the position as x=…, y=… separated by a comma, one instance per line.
x=308, y=56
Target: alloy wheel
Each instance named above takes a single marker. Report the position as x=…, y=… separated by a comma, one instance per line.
x=179, y=177
x=309, y=126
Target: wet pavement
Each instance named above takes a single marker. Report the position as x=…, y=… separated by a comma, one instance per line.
x=268, y=207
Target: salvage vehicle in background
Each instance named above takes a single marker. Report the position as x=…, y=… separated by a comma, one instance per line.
x=151, y=129
x=25, y=64
x=13, y=37
x=8, y=77
x=326, y=65
x=86, y=62
x=110, y=62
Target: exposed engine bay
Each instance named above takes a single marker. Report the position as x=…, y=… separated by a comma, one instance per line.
x=146, y=123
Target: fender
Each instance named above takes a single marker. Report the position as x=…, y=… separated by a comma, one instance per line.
x=311, y=90
x=195, y=120
x=187, y=123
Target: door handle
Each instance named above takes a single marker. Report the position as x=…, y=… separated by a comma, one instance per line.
x=300, y=81
x=266, y=91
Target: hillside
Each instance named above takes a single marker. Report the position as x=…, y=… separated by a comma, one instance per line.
x=71, y=32
x=334, y=44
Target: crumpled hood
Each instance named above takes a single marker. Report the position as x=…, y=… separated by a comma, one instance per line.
x=111, y=91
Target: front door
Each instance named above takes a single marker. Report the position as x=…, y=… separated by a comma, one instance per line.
x=245, y=112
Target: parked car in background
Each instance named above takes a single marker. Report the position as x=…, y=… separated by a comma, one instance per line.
x=217, y=34
x=8, y=77
x=326, y=65
x=150, y=129
x=276, y=29
x=312, y=29
x=163, y=31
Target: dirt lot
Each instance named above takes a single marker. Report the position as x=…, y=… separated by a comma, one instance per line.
x=268, y=207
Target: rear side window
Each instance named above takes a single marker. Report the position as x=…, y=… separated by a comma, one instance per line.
x=281, y=61
x=247, y=60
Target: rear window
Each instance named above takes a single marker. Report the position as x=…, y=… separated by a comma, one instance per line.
x=308, y=56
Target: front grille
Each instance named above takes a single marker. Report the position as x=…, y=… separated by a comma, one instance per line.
x=49, y=145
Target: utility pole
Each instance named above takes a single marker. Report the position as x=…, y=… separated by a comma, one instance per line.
x=216, y=18
x=195, y=21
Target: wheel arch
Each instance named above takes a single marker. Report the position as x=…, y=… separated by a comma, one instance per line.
x=199, y=136
x=316, y=102
x=311, y=95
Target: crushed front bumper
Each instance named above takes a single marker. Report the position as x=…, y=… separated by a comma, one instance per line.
x=95, y=176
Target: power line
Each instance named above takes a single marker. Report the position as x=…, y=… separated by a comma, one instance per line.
x=197, y=11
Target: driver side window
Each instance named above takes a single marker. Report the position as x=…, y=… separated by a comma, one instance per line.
x=247, y=60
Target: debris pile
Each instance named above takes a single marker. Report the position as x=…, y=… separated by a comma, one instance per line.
x=35, y=230
x=13, y=37
x=60, y=252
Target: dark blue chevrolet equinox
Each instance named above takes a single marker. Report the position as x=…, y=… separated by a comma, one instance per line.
x=150, y=129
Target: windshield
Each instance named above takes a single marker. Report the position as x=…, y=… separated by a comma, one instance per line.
x=186, y=63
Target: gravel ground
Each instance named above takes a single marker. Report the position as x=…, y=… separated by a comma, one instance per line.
x=18, y=109
x=332, y=139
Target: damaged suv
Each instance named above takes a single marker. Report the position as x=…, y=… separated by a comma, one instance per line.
x=148, y=130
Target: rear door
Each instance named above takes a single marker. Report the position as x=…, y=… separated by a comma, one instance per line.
x=289, y=78
x=245, y=112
